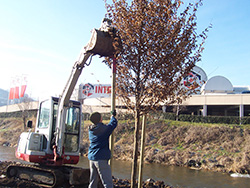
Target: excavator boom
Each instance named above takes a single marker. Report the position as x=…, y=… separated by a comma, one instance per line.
x=101, y=43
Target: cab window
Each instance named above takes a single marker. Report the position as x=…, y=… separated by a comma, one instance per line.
x=43, y=121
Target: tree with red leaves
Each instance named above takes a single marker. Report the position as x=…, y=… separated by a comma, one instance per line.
x=160, y=46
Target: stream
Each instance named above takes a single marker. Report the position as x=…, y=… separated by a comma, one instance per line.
x=171, y=175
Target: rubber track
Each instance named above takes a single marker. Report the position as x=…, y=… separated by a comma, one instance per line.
x=30, y=170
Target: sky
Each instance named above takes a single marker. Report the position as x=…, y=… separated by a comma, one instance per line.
x=41, y=40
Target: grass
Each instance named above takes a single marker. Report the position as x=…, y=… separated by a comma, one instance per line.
x=179, y=145
x=157, y=146
x=3, y=130
x=184, y=123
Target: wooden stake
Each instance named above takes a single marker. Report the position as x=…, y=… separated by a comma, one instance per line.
x=143, y=133
x=111, y=142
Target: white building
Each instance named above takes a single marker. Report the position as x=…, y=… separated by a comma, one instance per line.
x=217, y=97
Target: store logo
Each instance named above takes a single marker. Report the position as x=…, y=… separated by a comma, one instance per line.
x=192, y=80
x=88, y=89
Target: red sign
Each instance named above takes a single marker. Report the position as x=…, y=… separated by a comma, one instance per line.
x=94, y=90
x=17, y=83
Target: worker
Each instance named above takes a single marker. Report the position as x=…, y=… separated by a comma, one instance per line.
x=99, y=152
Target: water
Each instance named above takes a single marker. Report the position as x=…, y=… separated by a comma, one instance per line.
x=171, y=175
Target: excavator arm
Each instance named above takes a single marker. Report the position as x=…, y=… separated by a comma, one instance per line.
x=104, y=43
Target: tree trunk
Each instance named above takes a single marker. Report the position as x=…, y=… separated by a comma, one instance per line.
x=177, y=112
x=135, y=154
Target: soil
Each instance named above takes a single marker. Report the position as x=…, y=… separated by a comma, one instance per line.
x=223, y=148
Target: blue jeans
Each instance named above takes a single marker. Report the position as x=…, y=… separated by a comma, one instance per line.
x=100, y=169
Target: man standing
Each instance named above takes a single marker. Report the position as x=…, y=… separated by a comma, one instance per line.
x=99, y=152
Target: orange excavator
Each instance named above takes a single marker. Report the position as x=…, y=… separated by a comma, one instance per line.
x=56, y=139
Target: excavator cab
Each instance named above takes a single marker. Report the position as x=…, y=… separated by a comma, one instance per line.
x=37, y=146
x=46, y=124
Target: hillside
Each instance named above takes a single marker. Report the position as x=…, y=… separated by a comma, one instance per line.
x=10, y=130
x=200, y=146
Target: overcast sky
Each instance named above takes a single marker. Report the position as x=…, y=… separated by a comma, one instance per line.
x=42, y=40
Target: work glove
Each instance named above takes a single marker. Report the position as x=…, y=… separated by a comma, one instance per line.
x=113, y=113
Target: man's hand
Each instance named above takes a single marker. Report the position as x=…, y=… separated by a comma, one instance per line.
x=113, y=113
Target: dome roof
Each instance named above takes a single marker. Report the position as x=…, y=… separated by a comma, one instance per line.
x=217, y=84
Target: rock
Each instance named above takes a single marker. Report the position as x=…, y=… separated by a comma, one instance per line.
x=204, y=161
x=150, y=180
x=213, y=160
x=219, y=166
x=194, y=163
x=6, y=144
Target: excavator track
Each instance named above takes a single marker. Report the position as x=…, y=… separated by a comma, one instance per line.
x=38, y=175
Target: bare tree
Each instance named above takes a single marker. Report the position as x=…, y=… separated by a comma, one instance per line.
x=160, y=46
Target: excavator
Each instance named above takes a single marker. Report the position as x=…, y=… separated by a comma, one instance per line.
x=54, y=146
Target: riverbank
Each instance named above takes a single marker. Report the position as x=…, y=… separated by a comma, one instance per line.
x=222, y=148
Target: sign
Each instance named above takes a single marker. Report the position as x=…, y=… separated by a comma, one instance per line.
x=94, y=91
x=195, y=79
x=18, y=87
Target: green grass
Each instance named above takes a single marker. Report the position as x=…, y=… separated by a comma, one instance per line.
x=157, y=146
x=166, y=122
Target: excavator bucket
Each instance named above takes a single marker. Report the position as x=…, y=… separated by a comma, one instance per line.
x=101, y=43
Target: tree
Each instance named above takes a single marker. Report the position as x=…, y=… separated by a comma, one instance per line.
x=160, y=47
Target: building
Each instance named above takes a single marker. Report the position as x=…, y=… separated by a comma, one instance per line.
x=217, y=97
